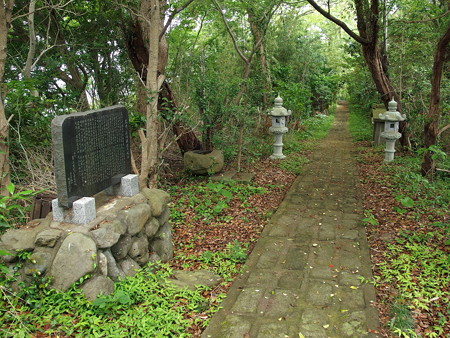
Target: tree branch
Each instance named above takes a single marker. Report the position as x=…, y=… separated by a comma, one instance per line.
x=338, y=22
x=443, y=129
x=59, y=6
x=32, y=41
x=172, y=15
x=230, y=32
x=426, y=20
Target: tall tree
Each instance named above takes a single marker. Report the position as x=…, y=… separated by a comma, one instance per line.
x=150, y=23
x=139, y=48
x=6, y=7
x=368, y=19
x=258, y=27
x=147, y=48
x=431, y=128
x=259, y=16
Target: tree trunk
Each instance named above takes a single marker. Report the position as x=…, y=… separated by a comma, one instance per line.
x=374, y=61
x=431, y=128
x=6, y=7
x=186, y=138
x=245, y=77
x=138, y=53
x=150, y=21
x=258, y=35
x=32, y=36
x=75, y=76
x=32, y=46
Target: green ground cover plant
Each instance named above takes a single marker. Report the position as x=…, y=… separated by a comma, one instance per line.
x=226, y=263
x=144, y=305
x=14, y=207
x=207, y=199
x=408, y=227
x=422, y=192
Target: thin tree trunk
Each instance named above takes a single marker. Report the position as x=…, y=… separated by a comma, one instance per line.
x=32, y=37
x=240, y=146
x=431, y=128
x=151, y=24
x=245, y=77
x=6, y=7
x=32, y=46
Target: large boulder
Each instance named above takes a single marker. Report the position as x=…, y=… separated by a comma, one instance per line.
x=76, y=258
x=162, y=243
x=121, y=248
x=21, y=239
x=48, y=237
x=157, y=200
x=40, y=260
x=139, y=250
x=97, y=285
x=202, y=164
x=105, y=237
x=129, y=266
x=113, y=270
x=151, y=228
x=135, y=217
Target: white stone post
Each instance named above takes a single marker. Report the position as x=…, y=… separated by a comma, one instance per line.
x=82, y=212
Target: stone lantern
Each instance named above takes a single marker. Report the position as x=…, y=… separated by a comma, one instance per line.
x=278, y=128
x=391, y=119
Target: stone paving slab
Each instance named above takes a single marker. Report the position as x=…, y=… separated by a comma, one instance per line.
x=233, y=175
x=304, y=276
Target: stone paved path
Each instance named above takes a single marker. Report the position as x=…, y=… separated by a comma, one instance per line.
x=303, y=277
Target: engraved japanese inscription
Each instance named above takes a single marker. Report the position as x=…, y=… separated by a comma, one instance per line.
x=91, y=151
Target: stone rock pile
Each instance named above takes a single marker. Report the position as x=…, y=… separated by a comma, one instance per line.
x=127, y=233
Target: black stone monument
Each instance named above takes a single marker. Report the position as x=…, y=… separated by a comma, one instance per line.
x=91, y=152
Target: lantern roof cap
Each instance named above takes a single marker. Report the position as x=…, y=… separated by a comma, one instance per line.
x=278, y=109
x=392, y=114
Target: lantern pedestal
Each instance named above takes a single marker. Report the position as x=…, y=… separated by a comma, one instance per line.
x=390, y=137
x=278, y=144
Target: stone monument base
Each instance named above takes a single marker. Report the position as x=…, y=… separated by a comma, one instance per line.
x=378, y=128
x=83, y=210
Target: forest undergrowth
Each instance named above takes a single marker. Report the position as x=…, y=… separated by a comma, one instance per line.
x=407, y=221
